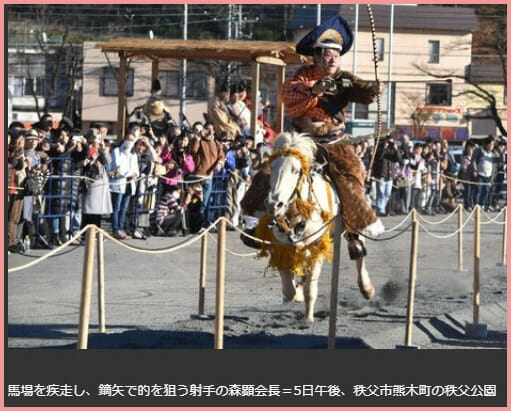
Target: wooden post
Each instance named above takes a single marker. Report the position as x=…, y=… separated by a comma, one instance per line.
x=256, y=68
x=121, y=97
x=460, y=238
x=88, y=268
x=220, y=280
x=101, y=283
x=477, y=258
x=504, y=239
x=202, y=279
x=412, y=278
x=154, y=69
x=280, y=106
x=334, y=288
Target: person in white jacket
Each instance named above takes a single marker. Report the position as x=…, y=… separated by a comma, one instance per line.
x=123, y=175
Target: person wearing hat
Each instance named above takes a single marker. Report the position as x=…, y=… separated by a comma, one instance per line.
x=316, y=96
x=219, y=115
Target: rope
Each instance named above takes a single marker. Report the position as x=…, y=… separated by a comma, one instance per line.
x=400, y=224
x=55, y=255
x=441, y=221
x=162, y=250
x=459, y=180
x=494, y=219
x=234, y=253
x=444, y=236
x=376, y=239
x=378, y=101
x=51, y=253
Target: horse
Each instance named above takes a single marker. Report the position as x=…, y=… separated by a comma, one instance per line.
x=300, y=207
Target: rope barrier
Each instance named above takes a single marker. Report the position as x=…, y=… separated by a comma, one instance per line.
x=441, y=221
x=24, y=254
x=161, y=250
x=447, y=235
x=398, y=225
x=494, y=219
x=376, y=239
x=232, y=252
x=51, y=253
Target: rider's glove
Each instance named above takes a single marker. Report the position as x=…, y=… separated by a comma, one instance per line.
x=326, y=85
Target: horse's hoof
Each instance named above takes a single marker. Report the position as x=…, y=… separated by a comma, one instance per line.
x=368, y=291
x=299, y=297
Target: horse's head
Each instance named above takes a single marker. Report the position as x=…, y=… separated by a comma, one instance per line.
x=292, y=156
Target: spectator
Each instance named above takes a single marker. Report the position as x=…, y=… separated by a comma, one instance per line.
x=219, y=114
x=387, y=155
x=239, y=110
x=466, y=174
x=96, y=200
x=484, y=159
x=17, y=169
x=433, y=160
x=208, y=156
x=123, y=173
x=169, y=212
x=417, y=170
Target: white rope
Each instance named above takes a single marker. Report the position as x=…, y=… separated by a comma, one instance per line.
x=48, y=255
x=494, y=219
x=234, y=253
x=447, y=235
x=399, y=225
x=441, y=221
x=163, y=250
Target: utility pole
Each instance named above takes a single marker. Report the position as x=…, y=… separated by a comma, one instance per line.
x=318, y=15
x=229, y=36
x=355, y=49
x=182, y=94
x=389, y=84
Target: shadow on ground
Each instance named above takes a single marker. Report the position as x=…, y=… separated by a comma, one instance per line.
x=158, y=339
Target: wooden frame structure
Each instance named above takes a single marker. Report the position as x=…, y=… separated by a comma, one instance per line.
x=278, y=54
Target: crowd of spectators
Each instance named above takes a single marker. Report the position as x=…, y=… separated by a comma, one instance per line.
x=178, y=180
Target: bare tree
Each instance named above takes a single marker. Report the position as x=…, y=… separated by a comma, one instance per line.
x=477, y=90
x=417, y=112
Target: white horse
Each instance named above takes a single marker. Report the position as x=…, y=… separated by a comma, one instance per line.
x=292, y=181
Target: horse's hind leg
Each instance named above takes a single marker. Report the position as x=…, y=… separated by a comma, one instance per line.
x=290, y=291
x=364, y=282
x=311, y=291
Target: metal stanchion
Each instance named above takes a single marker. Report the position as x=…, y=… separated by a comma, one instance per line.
x=334, y=289
x=101, y=283
x=202, y=279
x=460, y=238
x=88, y=268
x=411, y=284
x=504, y=239
x=476, y=329
x=220, y=282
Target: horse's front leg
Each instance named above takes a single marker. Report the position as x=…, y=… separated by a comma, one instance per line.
x=311, y=291
x=364, y=282
x=290, y=290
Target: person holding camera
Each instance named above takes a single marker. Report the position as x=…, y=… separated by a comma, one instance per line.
x=123, y=174
x=208, y=156
x=385, y=160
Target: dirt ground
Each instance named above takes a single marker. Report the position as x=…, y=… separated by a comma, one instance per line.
x=152, y=299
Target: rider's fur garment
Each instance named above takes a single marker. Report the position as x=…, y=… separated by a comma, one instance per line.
x=348, y=175
x=254, y=198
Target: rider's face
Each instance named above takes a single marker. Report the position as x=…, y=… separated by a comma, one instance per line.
x=330, y=60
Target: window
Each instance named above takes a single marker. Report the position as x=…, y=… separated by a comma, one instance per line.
x=438, y=94
x=196, y=84
x=361, y=111
x=27, y=86
x=109, y=85
x=433, y=51
x=380, y=48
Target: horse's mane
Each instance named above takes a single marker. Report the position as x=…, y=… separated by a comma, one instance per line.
x=299, y=141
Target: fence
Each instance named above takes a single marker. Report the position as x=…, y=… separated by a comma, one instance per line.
x=418, y=222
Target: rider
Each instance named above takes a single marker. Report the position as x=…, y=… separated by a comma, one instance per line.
x=315, y=96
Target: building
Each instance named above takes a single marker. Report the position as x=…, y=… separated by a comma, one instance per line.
x=43, y=75
x=428, y=48
x=99, y=103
